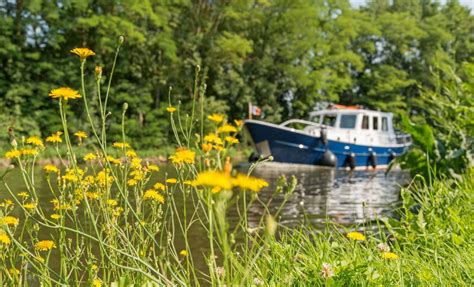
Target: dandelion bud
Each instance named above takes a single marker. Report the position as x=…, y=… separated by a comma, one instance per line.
x=125, y=106
x=271, y=225
x=98, y=72
x=121, y=39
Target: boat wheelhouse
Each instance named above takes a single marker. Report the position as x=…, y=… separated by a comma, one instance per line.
x=340, y=136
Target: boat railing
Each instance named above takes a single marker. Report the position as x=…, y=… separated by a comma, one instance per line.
x=403, y=138
x=304, y=122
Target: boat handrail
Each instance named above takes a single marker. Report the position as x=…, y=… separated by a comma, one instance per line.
x=308, y=123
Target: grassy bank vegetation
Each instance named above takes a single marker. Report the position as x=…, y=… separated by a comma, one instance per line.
x=110, y=224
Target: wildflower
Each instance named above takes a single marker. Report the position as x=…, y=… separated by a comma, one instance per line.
x=132, y=182
x=94, y=267
x=216, y=118
x=213, y=179
x=238, y=122
x=34, y=140
x=92, y=195
x=83, y=53
x=90, y=156
x=50, y=168
x=227, y=166
x=248, y=182
x=120, y=145
x=55, y=216
x=183, y=253
x=131, y=153
x=4, y=239
x=356, y=236
x=64, y=93
x=206, y=147
x=23, y=194
x=220, y=271
x=96, y=282
x=70, y=177
x=7, y=203
x=171, y=109
x=172, y=180
x=183, y=155
x=9, y=220
x=29, y=151
x=153, y=167
x=159, y=186
x=389, y=255
x=383, y=247
x=45, y=245
x=213, y=138
x=13, y=271
x=152, y=194
x=231, y=140
x=327, y=271
x=188, y=182
x=13, y=153
x=113, y=160
x=227, y=129
x=112, y=202
x=136, y=163
x=40, y=259
x=80, y=135
x=54, y=138
x=30, y=205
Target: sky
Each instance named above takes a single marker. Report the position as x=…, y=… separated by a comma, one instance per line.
x=468, y=3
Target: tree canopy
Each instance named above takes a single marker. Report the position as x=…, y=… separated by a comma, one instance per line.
x=282, y=55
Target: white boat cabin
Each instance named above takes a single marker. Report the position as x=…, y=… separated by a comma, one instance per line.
x=354, y=125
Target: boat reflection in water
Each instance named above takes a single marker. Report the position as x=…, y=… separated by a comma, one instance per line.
x=329, y=194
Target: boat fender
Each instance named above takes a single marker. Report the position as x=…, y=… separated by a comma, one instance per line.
x=324, y=136
x=392, y=156
x=328, y=159
x=373, y=159
x=351, y=160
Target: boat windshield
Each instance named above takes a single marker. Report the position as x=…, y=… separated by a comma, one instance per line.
x=329, y=120
x=348, y=121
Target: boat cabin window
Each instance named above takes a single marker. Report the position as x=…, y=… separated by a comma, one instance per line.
x=348, y=121
x=329, y=120
x=375, y=123
x=365, y=123
x=315, y=119
x=384, y=124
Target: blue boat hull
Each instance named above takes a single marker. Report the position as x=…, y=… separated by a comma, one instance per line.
x=289, y=146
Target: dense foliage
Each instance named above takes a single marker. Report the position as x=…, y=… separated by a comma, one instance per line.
x=281, y=55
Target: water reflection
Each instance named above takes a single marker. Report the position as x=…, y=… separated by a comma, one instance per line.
x=337, y=195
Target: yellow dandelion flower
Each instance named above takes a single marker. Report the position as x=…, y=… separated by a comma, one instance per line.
x=92, y=195
x=114, y=160
x=183, y=253
x=213, y=138
x=13, y=153
x=238, y=122
x=227, y=129
x=64, y=93
x=152, y=194
x=13, y=271
x=50, y=168
x=29, y=151
x=231, y=140
x=83, y=53
x=206, y=147
x=4, y=239
x=40, y=259
x=45, y=245
x=171, y=109
x=183, y=155
x=34, y=140
x=96, y=282
x=7, y=203
x=188, y=182
x=55, y=138
x=30, y=205
x=94, y=267
x=80, y=134
x=89, y=156
x=216, y=118
x=132, y=182
x=112, y=202
x=250, y=183
x=9, y=220
x=153, y=167
x=172, y=180
x=23, y=194
x=213, y=179
x=131, y=153
x=55, y=216
x=389, y=255
x=356, y=236
x=159, y=186
x=120, y=145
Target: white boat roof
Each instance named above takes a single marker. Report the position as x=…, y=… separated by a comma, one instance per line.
x=340, y=109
